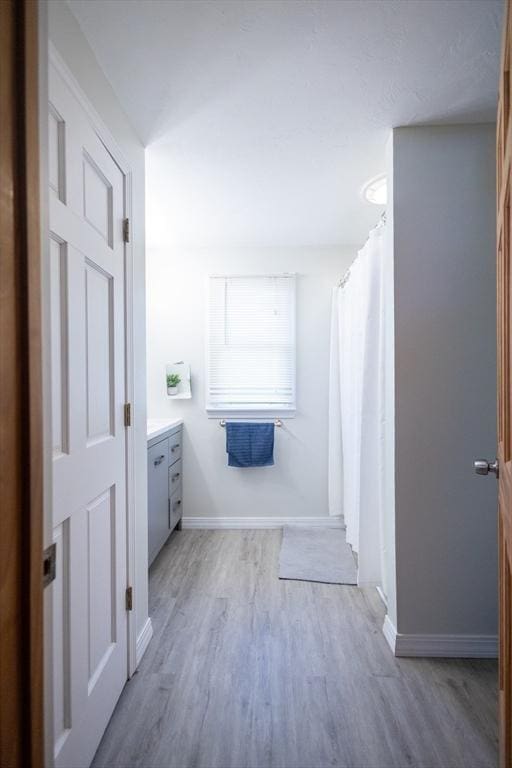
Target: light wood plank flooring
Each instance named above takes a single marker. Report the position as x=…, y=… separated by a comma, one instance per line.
x=246, y=671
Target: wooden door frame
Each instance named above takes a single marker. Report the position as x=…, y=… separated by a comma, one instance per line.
x=21, y=429
x=503, y=248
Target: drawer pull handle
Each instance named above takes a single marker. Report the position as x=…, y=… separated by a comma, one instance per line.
x=177, y=503
x=175, y=477
x=175, y=446
x=158, y=461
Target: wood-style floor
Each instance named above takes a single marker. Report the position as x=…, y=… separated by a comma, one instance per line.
x=246, y=671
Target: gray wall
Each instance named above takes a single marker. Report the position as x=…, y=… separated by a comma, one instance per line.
x=445, y=377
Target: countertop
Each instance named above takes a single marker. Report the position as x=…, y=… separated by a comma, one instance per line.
x=159, y=426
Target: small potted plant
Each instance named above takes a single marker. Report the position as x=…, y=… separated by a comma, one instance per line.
x=173, y=379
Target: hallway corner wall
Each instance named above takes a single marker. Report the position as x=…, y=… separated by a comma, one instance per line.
x=443, y=212
x=388, y=469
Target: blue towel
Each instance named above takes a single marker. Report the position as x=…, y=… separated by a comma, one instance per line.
x=249, y=445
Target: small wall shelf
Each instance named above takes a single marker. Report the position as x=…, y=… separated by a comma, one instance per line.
x=182, y=369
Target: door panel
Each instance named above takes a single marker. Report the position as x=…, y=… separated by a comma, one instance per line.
x=61, y=638
x=101, y=534
x=97, y=198
x=89, y=470
x=59, y=342
x=99, y=333
x=56, y=153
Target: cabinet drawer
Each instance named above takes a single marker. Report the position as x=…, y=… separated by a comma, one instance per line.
x=174, y=477
x=159, y=455
x=174, y=447
x=175, y=508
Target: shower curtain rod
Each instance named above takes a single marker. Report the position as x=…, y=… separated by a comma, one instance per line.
x=344, y=280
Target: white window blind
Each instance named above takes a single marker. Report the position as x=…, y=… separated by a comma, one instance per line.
x=251, y=343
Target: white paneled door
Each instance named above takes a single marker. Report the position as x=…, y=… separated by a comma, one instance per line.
x=89, y=462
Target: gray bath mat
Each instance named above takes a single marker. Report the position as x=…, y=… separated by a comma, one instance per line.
x=316, y=554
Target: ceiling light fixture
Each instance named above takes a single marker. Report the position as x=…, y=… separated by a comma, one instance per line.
x=376, y=190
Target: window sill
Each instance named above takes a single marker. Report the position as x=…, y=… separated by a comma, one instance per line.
x=253, y=413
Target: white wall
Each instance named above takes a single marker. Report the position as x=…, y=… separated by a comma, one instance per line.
x=443, y=209
x=68, y=39
x=388, y=468
x=177, y=284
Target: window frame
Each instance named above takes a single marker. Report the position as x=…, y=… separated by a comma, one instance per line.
x=256, y=412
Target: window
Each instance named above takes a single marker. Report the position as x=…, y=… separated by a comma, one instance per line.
x=251, y=344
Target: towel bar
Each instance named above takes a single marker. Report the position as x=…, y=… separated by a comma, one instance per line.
x=277, y=423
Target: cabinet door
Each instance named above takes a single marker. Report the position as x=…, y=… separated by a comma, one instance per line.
x=174, y=477
x=175, y=446
x=158, y=497
x=175, y=508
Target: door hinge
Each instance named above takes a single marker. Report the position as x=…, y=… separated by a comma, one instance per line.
x=49, y=564
x=129, y=598
x=126, y=230
x=127, y=414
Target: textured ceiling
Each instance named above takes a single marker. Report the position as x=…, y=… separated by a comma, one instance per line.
x=265, y=118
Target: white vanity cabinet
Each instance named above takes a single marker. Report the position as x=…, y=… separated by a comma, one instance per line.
x=165, y=507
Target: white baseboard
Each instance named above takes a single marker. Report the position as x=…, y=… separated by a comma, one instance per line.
x=389, y=632
x=443, y=646
x=382, y=595
x=143, y=640
x=212, y=523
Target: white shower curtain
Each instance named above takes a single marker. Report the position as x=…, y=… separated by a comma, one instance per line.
x=356, y=407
